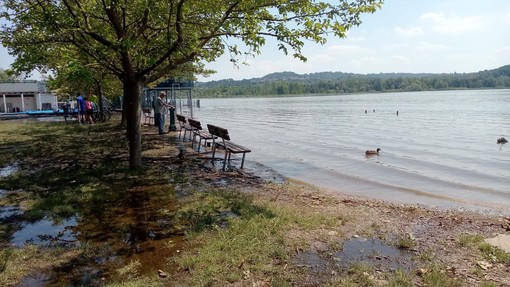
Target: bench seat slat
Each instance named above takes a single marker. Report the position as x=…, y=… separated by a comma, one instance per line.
x=234, y=148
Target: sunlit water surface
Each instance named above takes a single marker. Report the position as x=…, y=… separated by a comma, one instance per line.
x=440, y=150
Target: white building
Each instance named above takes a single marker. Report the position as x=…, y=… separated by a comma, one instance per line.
x=26, y=96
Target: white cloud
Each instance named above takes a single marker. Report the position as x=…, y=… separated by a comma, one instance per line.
x=395, y=46
x=452, y=24
x=345, y=49
x=357, y=39
x=503, y=50
x=400, y=59
x=506, y=19
x=409, y=32
x=424, y=45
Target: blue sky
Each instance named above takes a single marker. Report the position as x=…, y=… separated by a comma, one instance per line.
x=415, y=36
x=433, y=36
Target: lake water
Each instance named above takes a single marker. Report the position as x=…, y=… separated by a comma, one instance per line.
x=440, y=150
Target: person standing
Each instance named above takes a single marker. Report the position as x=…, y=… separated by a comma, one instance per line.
x=160, y=110
x=81, y=108
x=89, y=111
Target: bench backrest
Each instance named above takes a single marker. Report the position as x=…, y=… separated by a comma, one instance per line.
x=181, y=118
x=219, y=132
x=195, y=124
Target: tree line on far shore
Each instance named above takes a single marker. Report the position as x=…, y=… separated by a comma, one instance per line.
x=289, y=83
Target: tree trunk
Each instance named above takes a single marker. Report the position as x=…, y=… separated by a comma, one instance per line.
x=132, y=109
x=99, y=93
x=123, y=104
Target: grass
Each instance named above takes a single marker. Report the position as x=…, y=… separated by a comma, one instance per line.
x=240, y=241
x=438, y=277
x=494, y=254
x=470, y=239
x=16, y=263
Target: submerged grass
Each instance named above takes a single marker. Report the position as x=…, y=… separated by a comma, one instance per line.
x=63, y=171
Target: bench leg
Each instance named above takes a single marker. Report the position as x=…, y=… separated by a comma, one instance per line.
x=225, y=160
x=199, y=143
x=193, y=136
x=242, y=162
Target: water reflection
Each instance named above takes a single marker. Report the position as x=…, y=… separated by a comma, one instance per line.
x=7, y=212
x=132, y=225
x=46, y=232
x=8, y=170
x=373, y=252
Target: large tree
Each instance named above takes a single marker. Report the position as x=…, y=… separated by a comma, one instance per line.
x=140, y=41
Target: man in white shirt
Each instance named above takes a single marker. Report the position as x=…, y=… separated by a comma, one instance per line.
x=160, y=112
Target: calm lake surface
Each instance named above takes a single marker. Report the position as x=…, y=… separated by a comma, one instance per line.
x=440, y=150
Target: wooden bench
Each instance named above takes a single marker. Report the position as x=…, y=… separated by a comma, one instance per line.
x=225, y=144
x=148, y=117
x=184, y=126
x=198, y=131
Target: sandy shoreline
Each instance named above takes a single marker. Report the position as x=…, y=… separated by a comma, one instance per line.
x=393, y=196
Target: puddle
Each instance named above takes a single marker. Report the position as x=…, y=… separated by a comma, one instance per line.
x=373, y=252
x=46, y=232
x=8, y=211
x=312, y=260
x=137, y=227
x=38, y=280
x=8, y=170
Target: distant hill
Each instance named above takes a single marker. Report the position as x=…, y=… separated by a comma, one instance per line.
x=289, y=83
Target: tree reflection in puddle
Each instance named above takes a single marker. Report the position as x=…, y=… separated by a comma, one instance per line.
x=46, y=232
x=8, y=170
x=136, y=225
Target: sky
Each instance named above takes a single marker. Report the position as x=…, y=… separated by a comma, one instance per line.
x=409, y=36
x=404, y=36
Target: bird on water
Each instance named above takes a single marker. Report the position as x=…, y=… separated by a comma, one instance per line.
x=369, y=152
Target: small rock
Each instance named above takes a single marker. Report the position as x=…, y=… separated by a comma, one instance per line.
x=484, y=265
x=421, y=271
x=162, y=274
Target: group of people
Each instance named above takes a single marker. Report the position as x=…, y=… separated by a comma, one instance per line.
x=86, y=107
x=87, y=104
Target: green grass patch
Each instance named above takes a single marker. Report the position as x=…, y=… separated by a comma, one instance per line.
x=470, y=239
x=437, y=277
x=246, y=249
x=214, y=208
x=16, y=263
x=494, y=254
x=240, y=241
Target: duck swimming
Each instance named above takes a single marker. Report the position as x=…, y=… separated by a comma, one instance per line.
x=369, y=152
x=502, y=140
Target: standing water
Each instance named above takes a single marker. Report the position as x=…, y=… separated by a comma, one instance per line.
x=437, y=148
